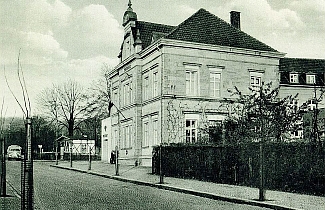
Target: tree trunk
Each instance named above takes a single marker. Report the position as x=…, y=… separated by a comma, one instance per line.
x=70, y=128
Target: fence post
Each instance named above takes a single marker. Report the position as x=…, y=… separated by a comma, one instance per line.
x=262, y=175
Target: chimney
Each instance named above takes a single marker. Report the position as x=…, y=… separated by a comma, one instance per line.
x=235, y=19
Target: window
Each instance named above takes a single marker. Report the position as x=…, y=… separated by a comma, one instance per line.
x=127, y=92
x=311, y=104
x=83, y=148
x=215, y=80
x=294, y=104
x=155, y=131
x=155, y=84
x=311, y=79
x=146, y=89
x=126, y=136
x=255, y=79
x=114, y=97
x=192, y=80
x=145, y=142
x=191, y=131
x=215, y=131
x=294, y=78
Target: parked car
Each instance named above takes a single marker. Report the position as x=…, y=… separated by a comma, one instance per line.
x=14, y=152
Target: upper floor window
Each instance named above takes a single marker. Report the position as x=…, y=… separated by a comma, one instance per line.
x=294, y=78
x=127, y=92
x=215, y=82
x=192, y=80
x=146, y=89
x=310, y=78
x=155, y=84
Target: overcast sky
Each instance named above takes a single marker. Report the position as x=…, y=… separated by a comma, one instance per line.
x=61, y=39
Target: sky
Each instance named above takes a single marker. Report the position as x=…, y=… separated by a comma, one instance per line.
x=60, y=40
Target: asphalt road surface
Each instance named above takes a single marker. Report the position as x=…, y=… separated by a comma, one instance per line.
x=62, y=189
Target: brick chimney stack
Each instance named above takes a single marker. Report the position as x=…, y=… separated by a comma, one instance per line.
x=235, y=19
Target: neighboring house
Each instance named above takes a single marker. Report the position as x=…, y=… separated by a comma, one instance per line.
x=304, y=77
x=79, y=146
x=173, y=80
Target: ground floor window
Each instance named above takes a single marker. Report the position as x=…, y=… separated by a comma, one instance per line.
x=145, y=142
x=127, y=130
x=155, y=131
x=215, y=131
x=191, y=130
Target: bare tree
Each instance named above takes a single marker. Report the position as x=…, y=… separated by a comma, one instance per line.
x=99, y=101
x=64, y=105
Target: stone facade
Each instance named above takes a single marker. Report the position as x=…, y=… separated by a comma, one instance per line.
x=171, y=88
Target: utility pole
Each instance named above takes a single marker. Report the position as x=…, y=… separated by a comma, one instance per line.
x=262, y=177
x=89, y=154
x=116, y=162
x=70, y=145
x=315, y=118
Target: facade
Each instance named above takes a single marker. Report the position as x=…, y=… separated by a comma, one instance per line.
x=174, y=81
x=305, y=77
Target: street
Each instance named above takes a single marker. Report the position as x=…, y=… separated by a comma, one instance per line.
x=62, y=189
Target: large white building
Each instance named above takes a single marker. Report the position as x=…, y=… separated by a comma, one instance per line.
x=173, y=80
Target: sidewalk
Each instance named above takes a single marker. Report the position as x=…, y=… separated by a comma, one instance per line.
x=11, y=200
x=237, y=194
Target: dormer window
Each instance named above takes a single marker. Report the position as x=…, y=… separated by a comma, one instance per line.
x=310, y=78
x=294, y=78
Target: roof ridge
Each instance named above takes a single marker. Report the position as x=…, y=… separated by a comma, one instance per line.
x=178, y=26
x=205, y=12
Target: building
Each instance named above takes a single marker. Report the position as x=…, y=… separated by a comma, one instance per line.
x=305, y=77
x=173, y=80
x=77, y=146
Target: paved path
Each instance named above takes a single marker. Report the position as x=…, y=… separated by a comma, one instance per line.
x=237, y=194
x=11, y=200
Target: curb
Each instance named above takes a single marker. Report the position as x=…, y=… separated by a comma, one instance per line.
x=186, y=191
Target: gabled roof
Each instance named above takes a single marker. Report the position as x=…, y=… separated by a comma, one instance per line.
x=204, y=27
x=149, y=31
x=302, y=65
